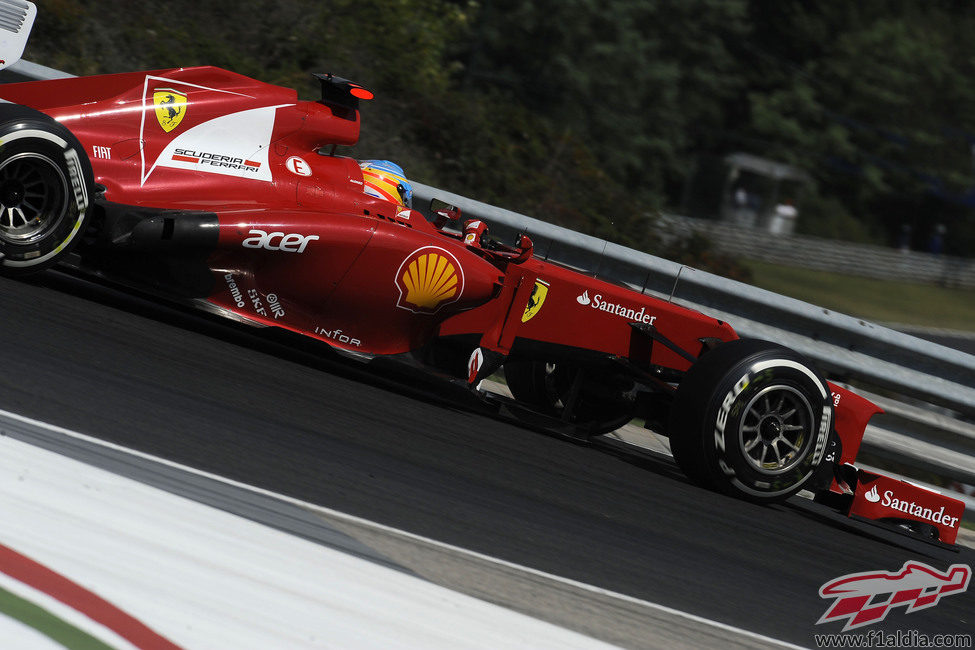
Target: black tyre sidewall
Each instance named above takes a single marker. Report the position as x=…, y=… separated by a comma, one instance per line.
x=25, y=130
x=709, y=408
x=527, y=381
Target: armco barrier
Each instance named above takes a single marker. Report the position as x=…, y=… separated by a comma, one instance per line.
x=845, y=347
x=28, y=71
x=826, y=254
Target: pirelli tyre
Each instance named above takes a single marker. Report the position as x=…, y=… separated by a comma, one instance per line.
x=45, y=190
x=751, y=419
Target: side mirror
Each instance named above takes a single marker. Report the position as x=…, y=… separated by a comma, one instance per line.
x=525, y=248
x=443, y=212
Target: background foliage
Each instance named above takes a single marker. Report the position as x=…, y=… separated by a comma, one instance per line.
x=593, y=113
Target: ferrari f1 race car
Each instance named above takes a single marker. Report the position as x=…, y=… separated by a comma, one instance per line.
x=199, y=184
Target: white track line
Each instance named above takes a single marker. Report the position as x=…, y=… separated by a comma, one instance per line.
x=397, y=532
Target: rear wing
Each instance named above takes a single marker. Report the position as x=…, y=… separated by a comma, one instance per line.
x=342, y=95
x=16, y=21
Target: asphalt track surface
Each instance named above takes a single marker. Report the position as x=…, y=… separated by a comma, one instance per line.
x=415, y=456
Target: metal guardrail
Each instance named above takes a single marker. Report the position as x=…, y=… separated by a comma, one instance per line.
x=27, y=71
x=810, y=252
x=846, y=348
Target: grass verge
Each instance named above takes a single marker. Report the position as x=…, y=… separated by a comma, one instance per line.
x=881, y=301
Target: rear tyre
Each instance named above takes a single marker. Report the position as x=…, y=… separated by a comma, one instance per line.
x=595, y=401
x=45, y=189
x=751, y=419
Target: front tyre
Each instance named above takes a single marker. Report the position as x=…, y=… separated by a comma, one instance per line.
x=751, y=419
x=45, y=189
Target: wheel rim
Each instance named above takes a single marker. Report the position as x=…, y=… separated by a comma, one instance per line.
x=775, y=429
x=33, y=197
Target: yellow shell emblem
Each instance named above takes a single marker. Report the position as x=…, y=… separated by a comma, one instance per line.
x=428, y=279
x=170, y=108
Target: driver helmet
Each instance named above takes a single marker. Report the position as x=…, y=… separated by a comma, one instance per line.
x=386, y=180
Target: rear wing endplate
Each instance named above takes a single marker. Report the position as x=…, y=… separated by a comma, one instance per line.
x=16, y=21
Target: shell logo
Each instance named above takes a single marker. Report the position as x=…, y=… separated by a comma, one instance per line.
x=428, y=279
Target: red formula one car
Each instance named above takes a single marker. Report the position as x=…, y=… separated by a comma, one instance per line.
x=201, y=184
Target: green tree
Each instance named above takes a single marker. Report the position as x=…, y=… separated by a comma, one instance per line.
x=872, y=99
x=640, y=82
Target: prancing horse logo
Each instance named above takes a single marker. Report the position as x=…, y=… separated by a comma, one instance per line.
x=170, y=108
x=535, y=301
